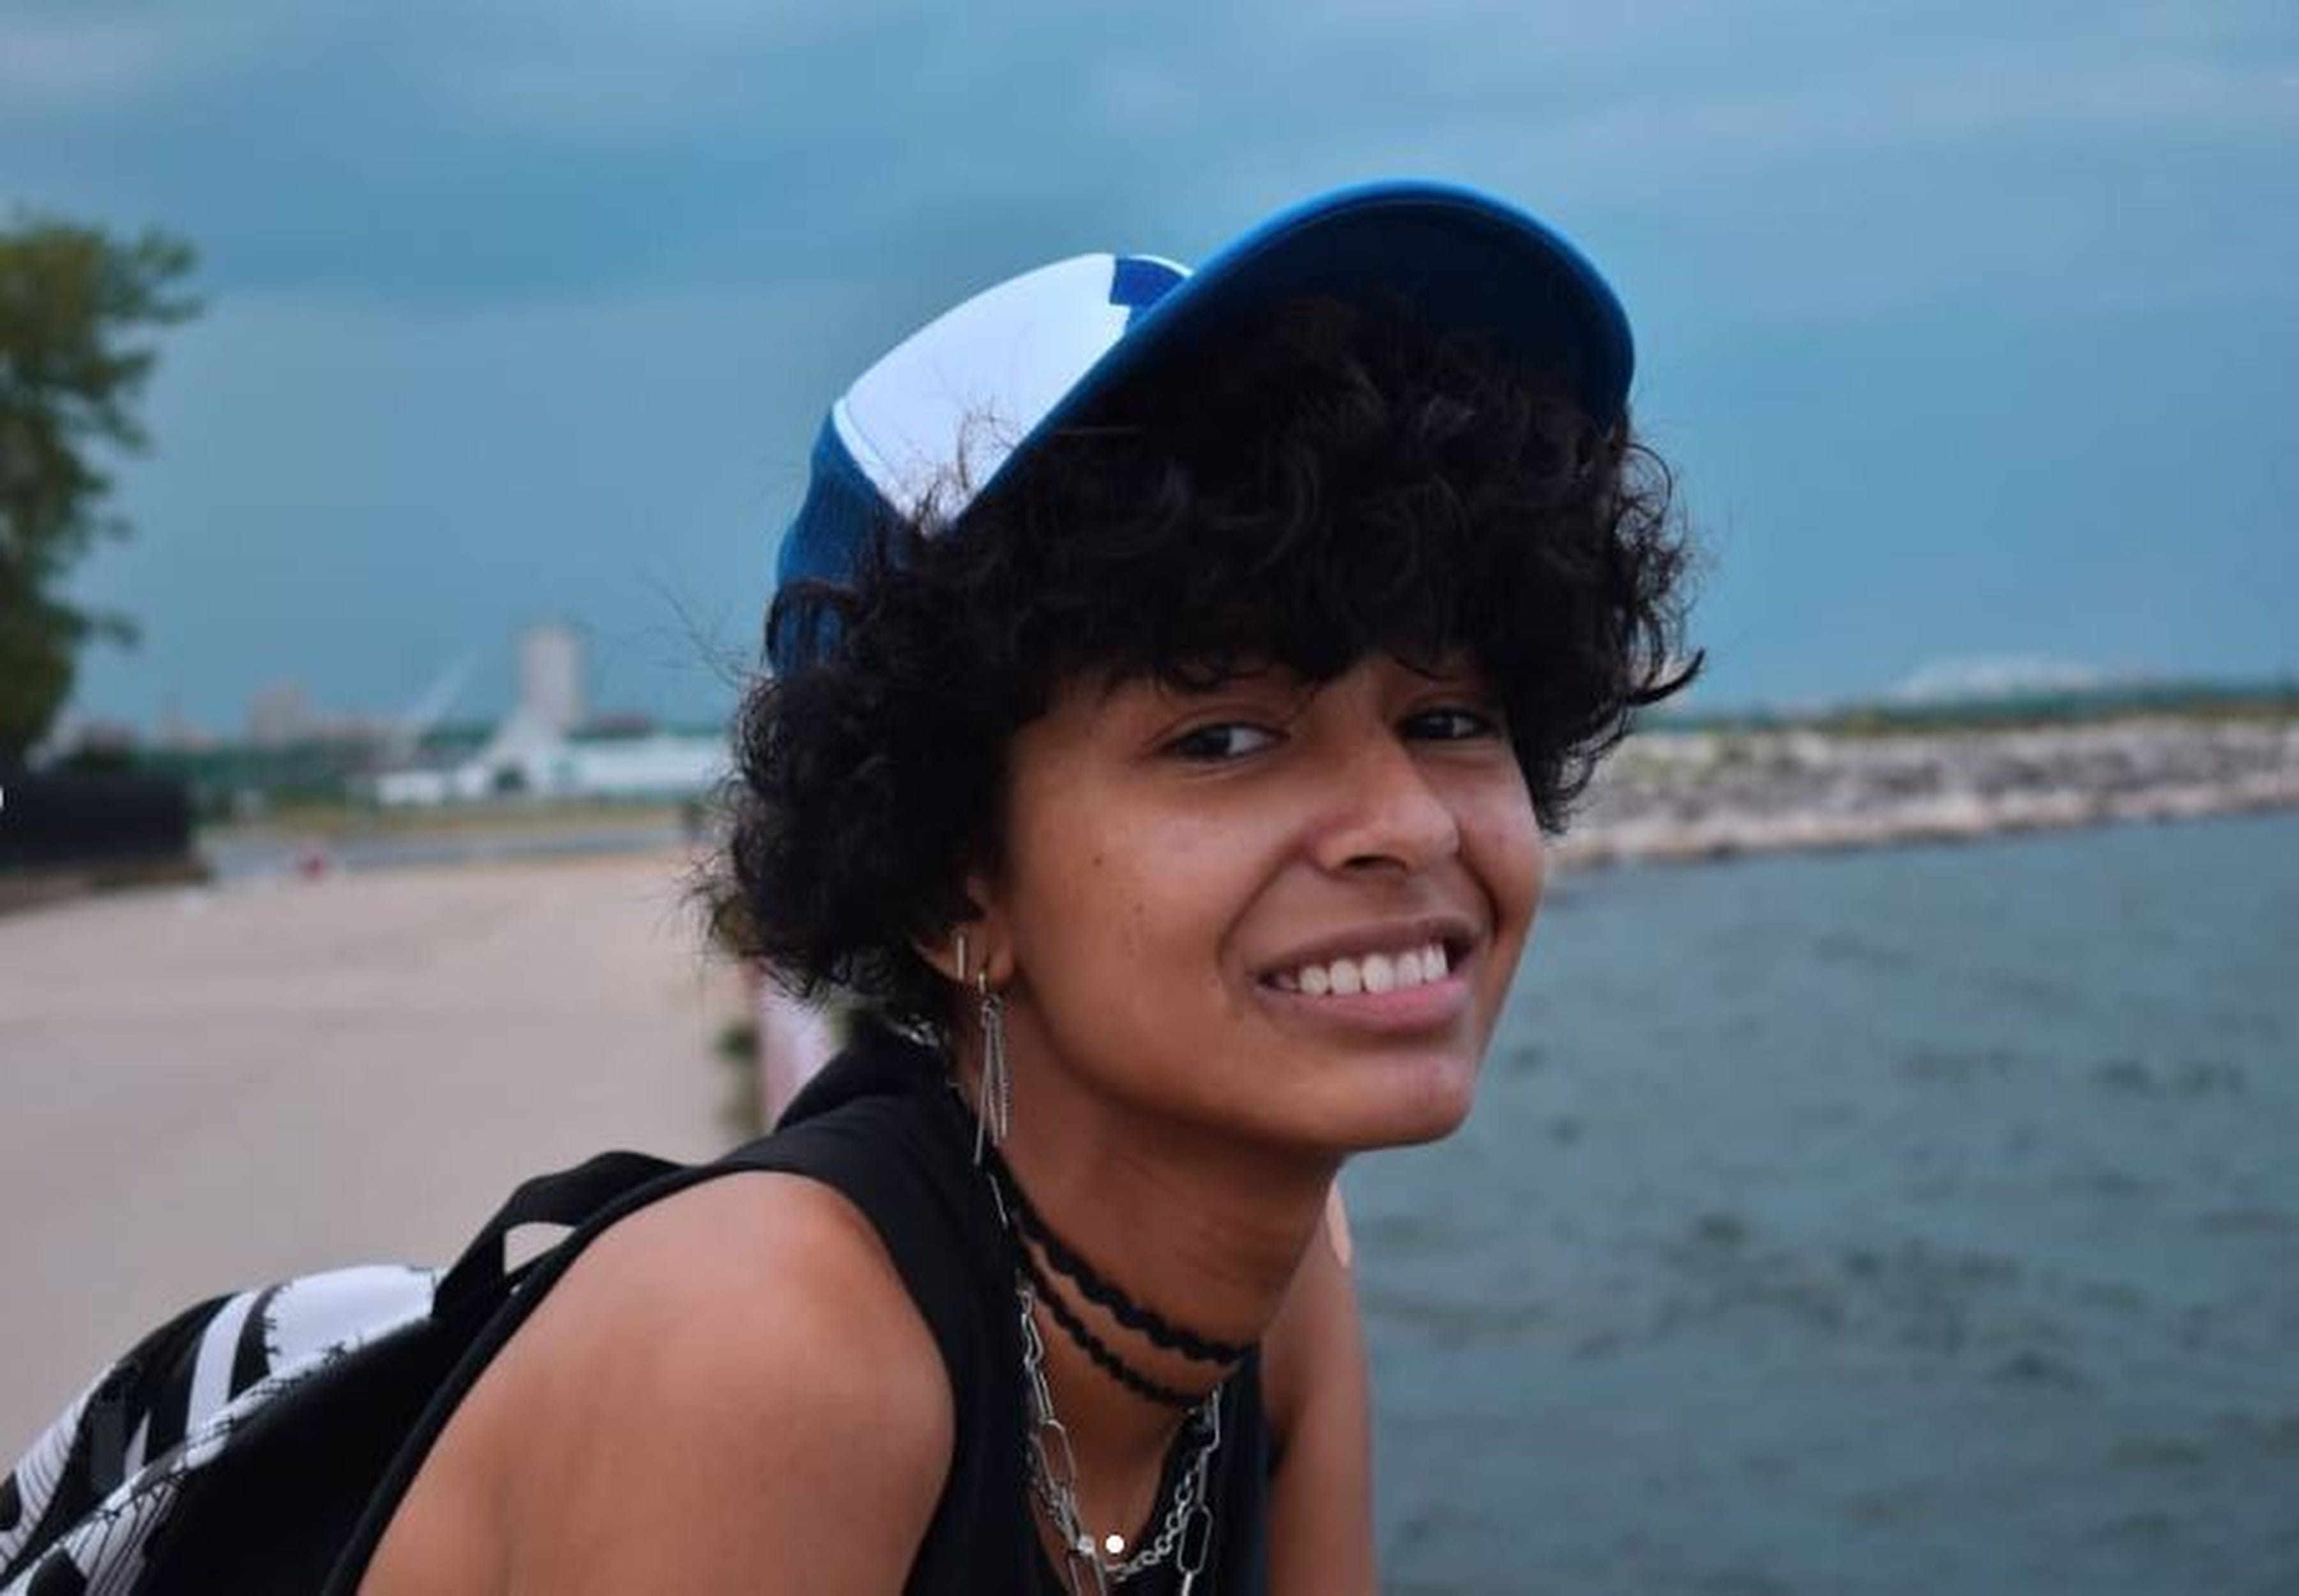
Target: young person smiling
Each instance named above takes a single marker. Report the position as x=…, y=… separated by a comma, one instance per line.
x=1174, y=678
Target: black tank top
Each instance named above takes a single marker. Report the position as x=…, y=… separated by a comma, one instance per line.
x=879, y=1125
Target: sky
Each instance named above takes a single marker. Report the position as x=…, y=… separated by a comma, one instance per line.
x=1969, y=328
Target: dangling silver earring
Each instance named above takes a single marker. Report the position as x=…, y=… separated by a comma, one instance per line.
x=963, y=978
x=993, y=1114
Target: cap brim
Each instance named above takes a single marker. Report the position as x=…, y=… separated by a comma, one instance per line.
x=1463, y=261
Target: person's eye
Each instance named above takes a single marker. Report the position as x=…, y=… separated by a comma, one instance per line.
x=1453, y=723
x=1221, y=741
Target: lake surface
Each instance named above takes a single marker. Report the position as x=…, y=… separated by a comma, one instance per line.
x=1914, y=1221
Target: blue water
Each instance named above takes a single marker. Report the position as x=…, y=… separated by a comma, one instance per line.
x=1911, y=1221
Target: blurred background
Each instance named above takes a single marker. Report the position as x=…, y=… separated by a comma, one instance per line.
x=1884, y=1182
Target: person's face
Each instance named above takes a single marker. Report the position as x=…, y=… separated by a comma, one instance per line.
x=1275, y=911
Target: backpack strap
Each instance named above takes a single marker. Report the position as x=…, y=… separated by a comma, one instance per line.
x=838, y=1132
x=566, y=1197
x=481, y=1304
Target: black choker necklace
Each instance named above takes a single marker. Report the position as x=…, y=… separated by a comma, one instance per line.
x=1104, y=1358
x=1070, y=1266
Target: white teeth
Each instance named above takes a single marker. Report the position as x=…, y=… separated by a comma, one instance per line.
x=1374, y=972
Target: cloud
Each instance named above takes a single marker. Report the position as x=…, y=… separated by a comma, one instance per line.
x=589, y=70
x=1143, y=97
x=87, y=61
x=1917, y=105
x=62, y=59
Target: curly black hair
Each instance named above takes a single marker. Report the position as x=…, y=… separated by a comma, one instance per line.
x=1338, y=483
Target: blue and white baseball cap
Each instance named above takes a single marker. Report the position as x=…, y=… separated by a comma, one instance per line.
x=966, y=398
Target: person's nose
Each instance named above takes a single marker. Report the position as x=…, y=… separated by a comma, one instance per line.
x=1385, y=811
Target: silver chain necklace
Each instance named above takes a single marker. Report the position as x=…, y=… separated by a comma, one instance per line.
x=1186, y=1533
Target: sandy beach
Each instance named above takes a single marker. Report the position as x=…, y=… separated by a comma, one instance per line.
x=209, y=1087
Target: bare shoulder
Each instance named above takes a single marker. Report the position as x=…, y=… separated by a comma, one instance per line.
x=731, y=1384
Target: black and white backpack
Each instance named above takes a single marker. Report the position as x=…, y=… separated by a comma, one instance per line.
x=239, y=1447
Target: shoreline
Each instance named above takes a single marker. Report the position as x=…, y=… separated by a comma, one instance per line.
x=1663, y=797
x=1690, y=796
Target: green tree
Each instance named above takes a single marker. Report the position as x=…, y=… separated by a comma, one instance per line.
x=74, y=302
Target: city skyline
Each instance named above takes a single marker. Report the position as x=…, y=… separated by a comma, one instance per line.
x=543, y=670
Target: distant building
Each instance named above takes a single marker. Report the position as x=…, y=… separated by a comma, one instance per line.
x=176, y=733
x=547, y=747
x=621, y=723
x=279, y=714
x=521, y=762
x=551, y=677
x=1982, y=678
x=283, y=714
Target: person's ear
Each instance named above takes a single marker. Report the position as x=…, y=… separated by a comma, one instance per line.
x=952, y=954
x=968, y=949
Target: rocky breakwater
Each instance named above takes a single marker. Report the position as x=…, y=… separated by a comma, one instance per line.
x=1696, y=795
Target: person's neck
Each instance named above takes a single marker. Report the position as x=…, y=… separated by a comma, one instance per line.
x=1202, y=1230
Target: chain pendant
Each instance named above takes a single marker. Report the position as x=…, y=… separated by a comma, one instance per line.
x=1186, y=1533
